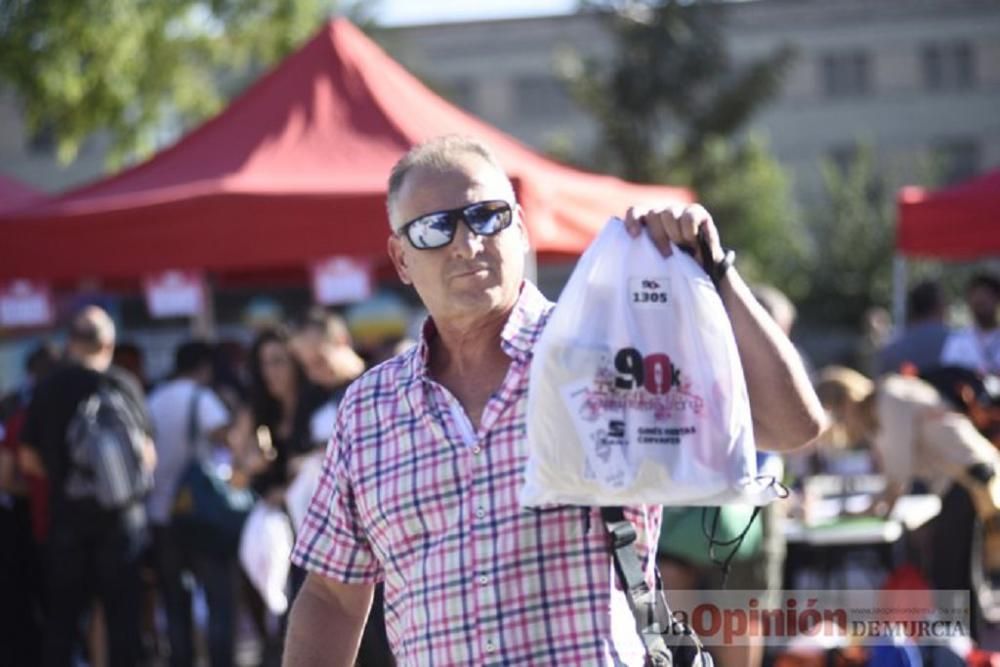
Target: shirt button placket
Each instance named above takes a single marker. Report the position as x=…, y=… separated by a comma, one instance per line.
x=484, y=547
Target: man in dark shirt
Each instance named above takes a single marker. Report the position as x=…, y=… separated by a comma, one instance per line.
x=922, y=341
x=92, y=550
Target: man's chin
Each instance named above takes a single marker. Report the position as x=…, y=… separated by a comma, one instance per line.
x=478, y=295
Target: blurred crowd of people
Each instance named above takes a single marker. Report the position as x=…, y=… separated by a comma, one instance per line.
x=920, y=413
x=120, y=586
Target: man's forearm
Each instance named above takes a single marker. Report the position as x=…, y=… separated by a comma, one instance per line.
x=324, y=630
x=786, y=411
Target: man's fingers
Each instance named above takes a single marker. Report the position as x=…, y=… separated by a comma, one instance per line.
x=678, y=224
x=632, y=224
x=698, y=220
x=659, y=231
x=688, y=225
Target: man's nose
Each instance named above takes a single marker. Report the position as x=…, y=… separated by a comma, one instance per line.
x=466, y=243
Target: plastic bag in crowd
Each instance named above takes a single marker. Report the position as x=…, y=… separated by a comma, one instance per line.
x=265, y=554
x=636, y=392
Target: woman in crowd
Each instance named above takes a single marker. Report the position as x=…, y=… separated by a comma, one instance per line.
x=281, y=402
x=274, y=435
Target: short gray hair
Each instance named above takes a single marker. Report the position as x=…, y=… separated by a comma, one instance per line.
x=440, y=154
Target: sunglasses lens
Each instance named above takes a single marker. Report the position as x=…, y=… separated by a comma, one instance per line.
x=431, y=231
x=488, y=218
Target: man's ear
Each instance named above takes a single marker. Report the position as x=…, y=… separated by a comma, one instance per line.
x=395, y=248
x=519, y=218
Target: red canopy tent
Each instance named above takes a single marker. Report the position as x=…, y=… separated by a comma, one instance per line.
x=292, y=171
x=957, y=223
x=15, y=195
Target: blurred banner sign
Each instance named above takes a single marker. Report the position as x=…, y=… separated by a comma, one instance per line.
x=175, y=293
x=25, y=303
x=339, y=280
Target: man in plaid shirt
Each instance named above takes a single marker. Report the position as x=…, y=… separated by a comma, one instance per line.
x=419, y=487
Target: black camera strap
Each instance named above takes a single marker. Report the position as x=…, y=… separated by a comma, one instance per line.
x=641, y=598
x=654, y=621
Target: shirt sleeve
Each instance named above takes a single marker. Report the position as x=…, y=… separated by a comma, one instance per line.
x=332, y=541
x=959, y=349
x=955, y=443
x=212, y=413
x=896, y=439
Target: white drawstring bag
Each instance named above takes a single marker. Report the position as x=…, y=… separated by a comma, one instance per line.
x=302, y=488
x=636, y=392
x=265, y=554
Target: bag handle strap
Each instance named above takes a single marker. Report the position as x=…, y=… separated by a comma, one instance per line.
x=715, y=270
x=192, y=424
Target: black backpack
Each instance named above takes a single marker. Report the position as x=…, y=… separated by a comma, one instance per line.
x=106, y=438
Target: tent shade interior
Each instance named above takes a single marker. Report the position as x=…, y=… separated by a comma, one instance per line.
x=292, y=171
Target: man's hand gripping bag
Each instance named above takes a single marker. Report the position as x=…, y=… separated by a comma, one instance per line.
x=636, y=393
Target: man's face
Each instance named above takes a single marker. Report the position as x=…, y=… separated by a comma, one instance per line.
x=473, y=275
x=983, y=305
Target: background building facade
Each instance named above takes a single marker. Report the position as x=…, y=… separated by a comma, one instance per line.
x=917, y=80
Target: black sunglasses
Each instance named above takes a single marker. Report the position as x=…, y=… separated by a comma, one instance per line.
x=436, y=230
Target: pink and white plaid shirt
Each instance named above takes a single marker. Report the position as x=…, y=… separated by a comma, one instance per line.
x=413, y=495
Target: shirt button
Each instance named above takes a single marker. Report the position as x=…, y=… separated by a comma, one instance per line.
x=477, y=449
x=483, y=579
x=480, y=511
x=490, y=646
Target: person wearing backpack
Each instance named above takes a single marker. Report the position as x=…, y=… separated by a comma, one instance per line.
x=87, y=431
x=189, y=420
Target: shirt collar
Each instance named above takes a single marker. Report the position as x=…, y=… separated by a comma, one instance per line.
x=518, y=337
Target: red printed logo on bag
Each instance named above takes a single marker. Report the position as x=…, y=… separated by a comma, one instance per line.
x=649, y=383
x=654, y=372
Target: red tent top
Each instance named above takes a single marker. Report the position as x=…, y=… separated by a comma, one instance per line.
x=961, y=222
x=15, y=195
x=293, y=170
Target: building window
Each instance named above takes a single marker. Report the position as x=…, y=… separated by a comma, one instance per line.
x=948, y=66
x=957, y=159
x=544, y=96
x=846, y=74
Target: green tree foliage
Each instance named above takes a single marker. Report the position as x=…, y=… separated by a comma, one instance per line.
x=672, y=107
x=130, y=67
x=852, y=231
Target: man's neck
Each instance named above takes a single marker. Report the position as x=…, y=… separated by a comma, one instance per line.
x=98, y=364
x=462, y=348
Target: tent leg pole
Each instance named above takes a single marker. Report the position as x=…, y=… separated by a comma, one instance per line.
x=899, y=271
x=203, y=324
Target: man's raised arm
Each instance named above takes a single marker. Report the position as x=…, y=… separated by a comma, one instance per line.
x=786, y=412
x=326, y=623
